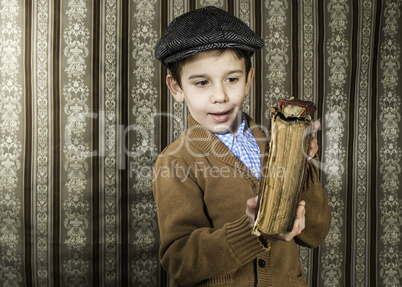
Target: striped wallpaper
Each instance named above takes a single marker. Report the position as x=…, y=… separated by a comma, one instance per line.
x=84, y=112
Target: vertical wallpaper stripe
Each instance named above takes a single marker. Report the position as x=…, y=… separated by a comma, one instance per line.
x=96, y=147
x=304, y=45
x=243, y=11
x=374, y=149
x=335, y=100
x=142, y=149
x=294, y=49
x=11, y=103
x=259, y=77
x=84, y=112
x=362, y=146
x=177, y=112
x=26, y=178
x=76, y=159
x=276, y=53
x=55, y=194
x=351, y=158
x=390, y=153
x=42, y=170
x=123, y=143
x=109, y=246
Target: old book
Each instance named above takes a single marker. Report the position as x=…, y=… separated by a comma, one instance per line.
x=283, y=172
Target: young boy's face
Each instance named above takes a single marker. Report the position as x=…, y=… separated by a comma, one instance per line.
x=214, y=86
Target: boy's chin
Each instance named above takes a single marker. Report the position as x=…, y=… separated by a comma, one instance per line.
x=220, y=130
x=223, y=129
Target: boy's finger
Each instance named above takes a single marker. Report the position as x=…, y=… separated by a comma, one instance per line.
x=251, y=208
x=314, y=144
x=313, y=148
x=301, y=214
x=252, y=202
x=316, y=125
x=301, y=209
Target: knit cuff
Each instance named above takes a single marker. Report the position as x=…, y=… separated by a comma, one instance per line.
x=245, y=246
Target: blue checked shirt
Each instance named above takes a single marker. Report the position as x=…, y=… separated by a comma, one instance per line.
x=244, y=146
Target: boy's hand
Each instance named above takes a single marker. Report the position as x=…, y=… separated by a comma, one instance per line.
x=251, y=209
x=298, y=226
x=313, y=143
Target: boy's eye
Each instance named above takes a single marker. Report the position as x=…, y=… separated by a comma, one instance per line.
x=202, y=83
x=232, y=80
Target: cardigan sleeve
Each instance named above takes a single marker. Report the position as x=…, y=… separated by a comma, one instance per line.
x=318, y=213
x=191, y=250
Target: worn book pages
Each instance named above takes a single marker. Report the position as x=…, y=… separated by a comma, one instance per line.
x=283, y=173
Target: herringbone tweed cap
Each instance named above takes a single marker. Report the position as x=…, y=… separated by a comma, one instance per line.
x=204, y=29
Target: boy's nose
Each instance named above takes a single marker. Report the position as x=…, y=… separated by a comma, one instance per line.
x=219, y=95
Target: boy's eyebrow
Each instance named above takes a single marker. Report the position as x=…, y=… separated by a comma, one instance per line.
x=196, y=76
x=235, y=71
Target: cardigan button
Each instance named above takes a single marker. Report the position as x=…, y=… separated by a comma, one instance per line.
x=261, y=263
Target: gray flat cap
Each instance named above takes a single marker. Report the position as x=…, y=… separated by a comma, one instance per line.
x=204, y=29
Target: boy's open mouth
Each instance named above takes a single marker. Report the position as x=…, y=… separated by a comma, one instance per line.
x=221, y=116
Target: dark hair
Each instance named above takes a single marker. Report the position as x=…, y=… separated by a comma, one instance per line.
x=176, y=67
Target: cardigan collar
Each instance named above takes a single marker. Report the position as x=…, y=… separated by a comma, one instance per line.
x=213, y=146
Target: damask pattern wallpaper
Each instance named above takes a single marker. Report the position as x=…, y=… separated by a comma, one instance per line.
x=84, y=112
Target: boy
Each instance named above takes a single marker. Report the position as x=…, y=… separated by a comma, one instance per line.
x=206, y=182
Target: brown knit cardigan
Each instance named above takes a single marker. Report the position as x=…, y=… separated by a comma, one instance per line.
x=201, y=189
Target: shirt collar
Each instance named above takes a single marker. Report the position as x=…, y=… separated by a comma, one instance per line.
x=243, y=128
x=242, y=131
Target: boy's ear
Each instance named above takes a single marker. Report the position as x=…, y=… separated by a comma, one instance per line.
x=174, y=87
x=250, y=77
